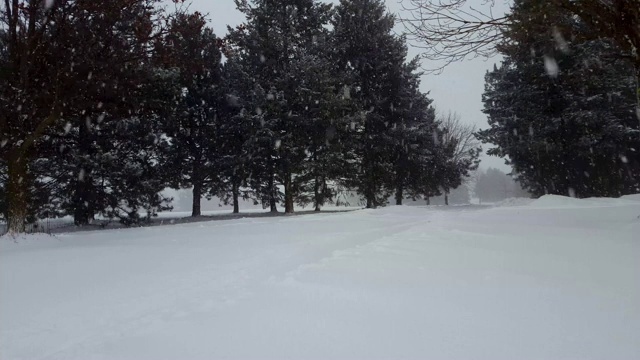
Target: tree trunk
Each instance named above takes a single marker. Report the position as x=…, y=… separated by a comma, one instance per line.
x=273, y=204
x=288, y=195
x=197, y=195
x=316, y=195
x=428, y=200
x=83, y=203
x=370, y=195
x=399, y=195
x=17, y=192
x=370, y=202
x=446, y=197
x=637, y=69
x=236, y=196
x=82, y=189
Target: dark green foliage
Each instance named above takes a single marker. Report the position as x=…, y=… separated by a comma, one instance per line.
x=109, y=165
x=302, y=104
x=234, y=134
x=280, y=49
x=79, y=69
x=191, y=51
x=370, y=60
x=561, y=107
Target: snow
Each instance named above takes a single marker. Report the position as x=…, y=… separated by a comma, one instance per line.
x=555, y=201
x=514, y=201
x=558, y=278
x=551, y=66
x=635, y=197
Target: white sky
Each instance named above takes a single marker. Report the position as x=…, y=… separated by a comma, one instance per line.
x=458, y=89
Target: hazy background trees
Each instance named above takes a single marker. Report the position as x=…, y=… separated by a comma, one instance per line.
x=494, y=185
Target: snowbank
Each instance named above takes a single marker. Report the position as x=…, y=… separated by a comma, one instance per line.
x=514, y=202
x=556, y=201
x=635, y=197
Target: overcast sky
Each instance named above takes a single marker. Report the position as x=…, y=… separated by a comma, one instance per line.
x=458, y=89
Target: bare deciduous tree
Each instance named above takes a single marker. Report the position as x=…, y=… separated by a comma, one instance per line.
x=467, y=147
x=448, y=31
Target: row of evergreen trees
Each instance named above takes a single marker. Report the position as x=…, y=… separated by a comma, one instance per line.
x=105, y=104
x=563, y=106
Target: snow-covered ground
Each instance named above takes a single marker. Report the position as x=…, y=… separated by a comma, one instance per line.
x=65, y=224
x=558, y=278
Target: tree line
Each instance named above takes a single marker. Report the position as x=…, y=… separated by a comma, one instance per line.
x=104, y=104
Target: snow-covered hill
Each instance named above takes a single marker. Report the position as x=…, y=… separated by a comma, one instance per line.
x=558, y=278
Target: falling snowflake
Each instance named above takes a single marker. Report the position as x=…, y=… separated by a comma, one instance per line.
x=551, y=65
x=624, y=159
x=561, y=43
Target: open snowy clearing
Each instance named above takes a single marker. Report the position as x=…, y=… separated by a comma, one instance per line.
x=558, y=278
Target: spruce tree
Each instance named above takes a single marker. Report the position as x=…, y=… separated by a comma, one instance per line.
x=70, y=55
x=236, y=129
x=273, y=47
x=192, y=50
x=413, y=145
x=371, y=59
x=110, y=163
x=561, y=107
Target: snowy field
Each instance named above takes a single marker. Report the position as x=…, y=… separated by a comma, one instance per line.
x=557, y=278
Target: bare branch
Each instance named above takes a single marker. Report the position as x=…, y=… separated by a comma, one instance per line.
x=448, y=31
x=452, y=30
x=463, y=135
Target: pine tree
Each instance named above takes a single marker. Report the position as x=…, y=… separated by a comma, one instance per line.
x=273, y=49
x=561, y=107
x=236, y=129
x=70, y=54
x=413, y=145
x=192, y=50
x=110, y=164
x=371, y=58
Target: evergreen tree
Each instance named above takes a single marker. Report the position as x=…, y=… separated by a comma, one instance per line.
x=235, y=133
x=274, y=47
x=372, y=60
x=561, y=107
x=192, y=50
x=326, y=127
x=110, y=164
x=71, y=57
x=414, y=148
